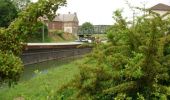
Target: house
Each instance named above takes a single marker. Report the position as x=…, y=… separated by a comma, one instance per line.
x=160, y=8
x=67, y=22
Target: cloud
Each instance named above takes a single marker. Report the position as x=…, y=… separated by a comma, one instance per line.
x=101, y=11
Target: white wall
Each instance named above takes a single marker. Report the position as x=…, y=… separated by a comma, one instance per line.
x=68, y=29
x=160, y=12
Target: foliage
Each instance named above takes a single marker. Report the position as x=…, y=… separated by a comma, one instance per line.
x=11, y=38
x=10, y=68
x=57, y=32
x=133, y=65
x=37, y=32
x=8, y=13
x=87, y=28
x=21, y=4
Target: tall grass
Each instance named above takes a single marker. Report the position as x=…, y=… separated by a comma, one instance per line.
x=42, y=86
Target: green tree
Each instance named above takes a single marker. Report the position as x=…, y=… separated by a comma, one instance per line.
x=36, y=34
x=8, y=13
x=12, y=38
x=87, y=28
x=21, y=4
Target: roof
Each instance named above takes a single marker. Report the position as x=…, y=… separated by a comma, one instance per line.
x=161, y=7
x=66, y=17
x=56, y=18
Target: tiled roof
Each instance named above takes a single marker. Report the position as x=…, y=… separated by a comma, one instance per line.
x=57, y=18
x=66, y=17
x=161, y=7
x=63, y=17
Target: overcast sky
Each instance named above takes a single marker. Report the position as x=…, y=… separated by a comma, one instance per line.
x=101, y=11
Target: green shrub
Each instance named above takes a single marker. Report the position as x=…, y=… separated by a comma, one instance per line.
x=13, y=37
x=59, y=32
x=36, y=35
x=134, y=65
x=10, y=68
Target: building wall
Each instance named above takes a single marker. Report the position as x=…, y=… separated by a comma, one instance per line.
x=68, y=29
x=160, y=12
x=71, y=27
x=55, y=25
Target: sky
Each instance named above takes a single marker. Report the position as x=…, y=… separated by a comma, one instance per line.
x=100, y=12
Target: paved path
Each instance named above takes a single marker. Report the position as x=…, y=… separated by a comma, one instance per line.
x=49, y=44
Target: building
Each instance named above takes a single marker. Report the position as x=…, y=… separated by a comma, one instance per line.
x=160, y=8
x=67, y=22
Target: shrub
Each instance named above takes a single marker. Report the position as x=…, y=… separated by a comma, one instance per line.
x=59, y=32
x=10, y=68
x=133, y=65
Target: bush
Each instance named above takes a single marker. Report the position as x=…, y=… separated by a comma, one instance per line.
x=10, y=68
x=134, y=65
x=37, y=32
x=59, y=32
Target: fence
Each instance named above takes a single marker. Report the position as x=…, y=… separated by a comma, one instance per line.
x=34, y=56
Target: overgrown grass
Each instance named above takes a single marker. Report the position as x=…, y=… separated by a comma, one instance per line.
x=100, y=36
x=65, y=37
x=44, y=85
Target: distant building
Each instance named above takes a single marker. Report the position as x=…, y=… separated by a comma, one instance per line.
x=160, y=8
x=66, y=22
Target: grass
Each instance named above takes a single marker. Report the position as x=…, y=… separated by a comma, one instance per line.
x=101, y=36
x=65, y=37
x=40, y=87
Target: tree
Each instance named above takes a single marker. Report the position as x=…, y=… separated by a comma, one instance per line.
x=87, y=28
x=134, y=65
x=12, y=38
x=21, y=4
x=36, y=34
x=8, y=13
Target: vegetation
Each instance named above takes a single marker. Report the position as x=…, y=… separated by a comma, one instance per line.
x=100, y=36
x=65, y=37
x=87, y=28
x=8, y=12
x=61, y=36
x=134, y=65
x=21, y=4
x=12, y=37
x=43, y=86
x=57, y=32
x=36, y=35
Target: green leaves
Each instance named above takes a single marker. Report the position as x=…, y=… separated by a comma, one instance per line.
x=133, y=65
x=8, y=12
x=87, y=28
x=12, y=38
x=10, y=67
